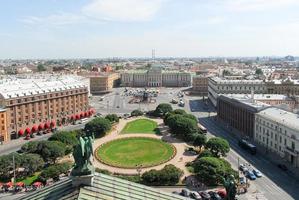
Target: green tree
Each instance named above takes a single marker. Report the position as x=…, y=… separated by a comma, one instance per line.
x=169, y=175
x=98, y=127
x=258, y=71
x=48, y=150
x=190, y=116
x=211, y=170
x=200, y=140
x=31, y=163
x=54, y=171
x=136, y=113
x=66, y=137
x=205, y=153
x=112, y=118
x=162, y=109
x=183, y=127
x=218, y=146
x=179, y=111
x=69, y=138
x=41, y=67
x=30, y=147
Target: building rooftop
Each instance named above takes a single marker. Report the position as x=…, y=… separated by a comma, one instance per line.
x=286, y=118
x=220, y=80
x=258, y=97
x=17, y=87
x=104, y=187
x=246, y=101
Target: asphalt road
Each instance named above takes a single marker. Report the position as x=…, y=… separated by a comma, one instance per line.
x=275, y=184
x=15, y=145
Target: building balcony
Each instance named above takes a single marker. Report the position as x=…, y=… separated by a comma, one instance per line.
x=291, y=151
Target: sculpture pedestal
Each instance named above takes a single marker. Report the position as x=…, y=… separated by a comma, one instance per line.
x=85, y=180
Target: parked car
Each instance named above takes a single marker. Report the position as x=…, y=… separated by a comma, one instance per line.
x=195, y=195
x=185, y=193
x=214, y=195
x=242, y=180
x=257, y=173
x=282, y=167
x=205, y=195
x=250, y=175
x=243, y=168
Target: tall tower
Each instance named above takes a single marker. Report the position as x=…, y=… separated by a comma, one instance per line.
x=153, y=54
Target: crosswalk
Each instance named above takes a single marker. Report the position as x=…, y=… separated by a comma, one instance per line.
x=256, y=196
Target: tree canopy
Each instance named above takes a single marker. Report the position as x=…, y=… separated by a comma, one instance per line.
x=98, y=127
x=136, y=113
x=41, y=67
x=169, y=175
x=112, y=118
x=211, y=170
x=259, y=71
x=48, y=150
x=218, y=146
x=200, y=140
x=163, y=108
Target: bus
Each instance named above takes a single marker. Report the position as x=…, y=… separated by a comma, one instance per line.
x=202, y=128
x=248, y=146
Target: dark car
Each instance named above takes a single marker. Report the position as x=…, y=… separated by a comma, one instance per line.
x=185, y=193
x=205, y=195
x=214, y=195
x=282, y=167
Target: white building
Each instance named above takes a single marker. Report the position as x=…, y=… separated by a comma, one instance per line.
x=278, y=131
x=218, y=86
x=155, y=77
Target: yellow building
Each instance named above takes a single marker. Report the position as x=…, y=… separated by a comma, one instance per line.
x=3, y=125
x=103, y=83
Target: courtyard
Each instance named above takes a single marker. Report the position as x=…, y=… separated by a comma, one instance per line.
x=138, y=149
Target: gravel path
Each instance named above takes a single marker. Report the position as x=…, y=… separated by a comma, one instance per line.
x=179, y=160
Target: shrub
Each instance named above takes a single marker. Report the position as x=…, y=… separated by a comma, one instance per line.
x=98, y=127
x=112, y=118
x=169, y=175
x=136, y=113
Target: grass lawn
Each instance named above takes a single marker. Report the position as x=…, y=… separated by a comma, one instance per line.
x=141, y=126
x=129, y=152
x=29, y=180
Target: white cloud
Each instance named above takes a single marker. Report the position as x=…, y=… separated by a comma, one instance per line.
x=55, y=19
x=122, y=10
x=257, y=5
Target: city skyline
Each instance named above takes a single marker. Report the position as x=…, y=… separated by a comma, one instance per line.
x=132, y=28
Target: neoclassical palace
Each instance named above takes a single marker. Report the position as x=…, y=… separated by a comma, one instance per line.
x=155, y=77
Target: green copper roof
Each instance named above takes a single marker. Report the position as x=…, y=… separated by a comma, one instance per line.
x=104, y=187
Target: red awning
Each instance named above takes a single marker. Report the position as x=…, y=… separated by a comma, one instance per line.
x=37, y=184
x=86, y=114
x=53, y=124
x=20, y=184
x=9, y=184
x=41, y=126
x=82, y=114
x=34, y=128
x=47, y=125
x=21, y=132
x=28, y=130
x=77, y=116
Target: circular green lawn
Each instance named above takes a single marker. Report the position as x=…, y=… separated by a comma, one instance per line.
x=135, y=151
x=141, y=126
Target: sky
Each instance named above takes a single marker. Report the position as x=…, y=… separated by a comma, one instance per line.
x=132, y=28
